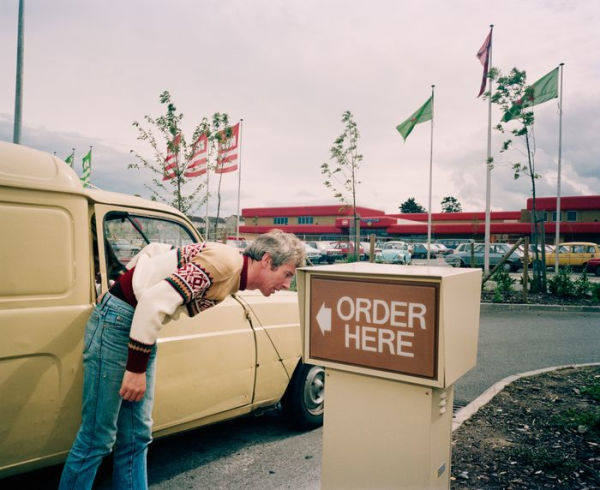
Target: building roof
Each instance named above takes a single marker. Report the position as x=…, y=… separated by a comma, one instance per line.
x=567, y=203
x=330, y=210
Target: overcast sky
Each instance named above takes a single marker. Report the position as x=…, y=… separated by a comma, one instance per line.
x=290, y=69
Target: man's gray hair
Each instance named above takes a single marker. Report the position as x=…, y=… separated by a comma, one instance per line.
x=282, y=247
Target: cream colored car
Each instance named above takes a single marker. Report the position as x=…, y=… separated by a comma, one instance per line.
x=233, y=359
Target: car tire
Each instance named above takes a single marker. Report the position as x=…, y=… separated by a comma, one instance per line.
x=303, y=402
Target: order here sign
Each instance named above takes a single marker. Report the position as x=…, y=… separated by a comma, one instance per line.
x=391, y=326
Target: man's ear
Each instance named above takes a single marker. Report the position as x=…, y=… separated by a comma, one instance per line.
x=266, y=260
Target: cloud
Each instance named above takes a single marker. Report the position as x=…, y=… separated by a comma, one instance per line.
x=290, y=69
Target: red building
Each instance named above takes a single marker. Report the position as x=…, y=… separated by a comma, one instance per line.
x=580, y=221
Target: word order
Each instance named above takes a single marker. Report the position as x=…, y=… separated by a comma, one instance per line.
x=379, y=312
x=367, y=338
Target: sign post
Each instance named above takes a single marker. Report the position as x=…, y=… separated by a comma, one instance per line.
x=393, y=340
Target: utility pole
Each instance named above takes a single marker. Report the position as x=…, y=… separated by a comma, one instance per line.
x=19, y=84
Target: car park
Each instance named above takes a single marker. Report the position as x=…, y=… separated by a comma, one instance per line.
x=573, y=254
x=496, y=253
x=239, y=357
x=394, y=252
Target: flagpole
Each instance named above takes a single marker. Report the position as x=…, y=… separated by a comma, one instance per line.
x=237, y=216
x=560, y=113
x=430, y=180
x=206, y=226
x=488, y=165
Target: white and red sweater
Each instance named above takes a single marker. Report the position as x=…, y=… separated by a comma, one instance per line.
x=161, y=280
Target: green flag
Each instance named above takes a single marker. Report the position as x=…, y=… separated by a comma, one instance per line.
x=543, y=90
x=422, y=114
x=87, y=168
x=69, y=159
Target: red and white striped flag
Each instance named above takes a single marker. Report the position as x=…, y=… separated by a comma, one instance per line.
x=228, y=151
x=484, y=57
x=172, y=160
x=198, y=163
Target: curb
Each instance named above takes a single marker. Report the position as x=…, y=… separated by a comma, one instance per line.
x=471, y=409
x=489, y=307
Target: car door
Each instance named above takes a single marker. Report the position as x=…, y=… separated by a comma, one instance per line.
x=205, y=364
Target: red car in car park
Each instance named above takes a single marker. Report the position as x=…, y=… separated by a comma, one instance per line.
x=593, y=265
x=347, y=248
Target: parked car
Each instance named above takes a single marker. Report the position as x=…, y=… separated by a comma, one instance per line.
x=313, y=254
x=463, y=247
x=395, y=252
x=237, y=242
x=236, y=358
x=366, y=246
x=497, y=251
x=593, y=266
x=440, y=249
x=419, y=250
x=573, y=254
x=329, y=254
x=347, y=248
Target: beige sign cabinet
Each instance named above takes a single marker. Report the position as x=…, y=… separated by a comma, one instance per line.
x=394, y=340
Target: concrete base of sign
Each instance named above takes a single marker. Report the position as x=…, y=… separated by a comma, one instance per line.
x=380, y=433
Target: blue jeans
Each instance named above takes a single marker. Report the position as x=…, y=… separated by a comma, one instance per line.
x=107, y=420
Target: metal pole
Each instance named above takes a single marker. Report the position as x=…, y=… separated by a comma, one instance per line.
x=560, y=112
x=488, y=180
x=19, y=82
x=237, y=216
x=430, y=180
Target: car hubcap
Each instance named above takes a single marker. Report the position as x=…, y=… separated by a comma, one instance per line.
x=314, y=390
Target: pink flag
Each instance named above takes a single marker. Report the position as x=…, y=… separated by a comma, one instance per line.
x=198, y=162
x=172, y=160
x=484, y=57
x=227, y=154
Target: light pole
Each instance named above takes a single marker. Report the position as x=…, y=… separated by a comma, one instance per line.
x=19, y=83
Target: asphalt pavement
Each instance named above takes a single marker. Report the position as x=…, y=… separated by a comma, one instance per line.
x=264, y=453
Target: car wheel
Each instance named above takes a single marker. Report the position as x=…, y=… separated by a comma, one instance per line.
x=597, y=271
x=303, y=402
x=506, y=267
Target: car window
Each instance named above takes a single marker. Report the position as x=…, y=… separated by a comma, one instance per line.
x=563, y=250
x=578, y=249
x=591, y=249
x=126, y=234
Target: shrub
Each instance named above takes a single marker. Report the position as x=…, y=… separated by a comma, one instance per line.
x=583, y=286
x=561, y=284
x=504, y=285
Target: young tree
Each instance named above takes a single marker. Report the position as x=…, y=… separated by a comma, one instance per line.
x=341, y=174
x=516, y=99
x=450, y=205
x=412, y=206
x=171, y=138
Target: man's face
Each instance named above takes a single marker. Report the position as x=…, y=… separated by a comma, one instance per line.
x=273, y=279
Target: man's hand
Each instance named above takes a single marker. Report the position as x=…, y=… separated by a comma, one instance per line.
x=133, y=386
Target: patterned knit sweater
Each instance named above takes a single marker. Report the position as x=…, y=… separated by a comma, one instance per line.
x=166, y=280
